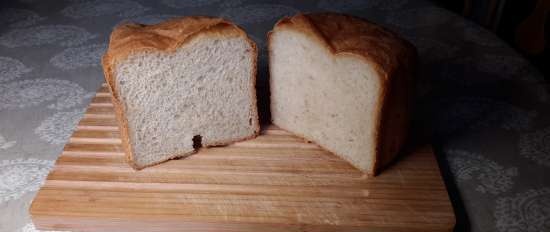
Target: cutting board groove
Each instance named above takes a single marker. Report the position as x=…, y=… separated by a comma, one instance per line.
x=276, y=182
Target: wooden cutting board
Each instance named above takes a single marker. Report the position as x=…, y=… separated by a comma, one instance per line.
x=276, y=182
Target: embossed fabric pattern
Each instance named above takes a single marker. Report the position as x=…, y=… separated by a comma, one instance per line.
x=484, y=107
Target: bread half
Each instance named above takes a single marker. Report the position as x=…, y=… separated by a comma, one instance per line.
x=180, y=84
x=344, y=83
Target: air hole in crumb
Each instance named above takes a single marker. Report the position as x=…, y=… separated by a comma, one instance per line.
x=197, y=142
x=250, y=121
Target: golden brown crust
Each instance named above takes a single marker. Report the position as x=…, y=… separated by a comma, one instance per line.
x=127, y=39
x=393, y=58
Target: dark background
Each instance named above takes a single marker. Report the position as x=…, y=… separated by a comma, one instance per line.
x=504, y=20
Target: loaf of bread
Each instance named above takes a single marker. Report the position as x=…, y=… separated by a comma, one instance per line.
x=181, y=84
x=344, y=83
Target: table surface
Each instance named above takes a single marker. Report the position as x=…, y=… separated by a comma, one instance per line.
x=484, y=107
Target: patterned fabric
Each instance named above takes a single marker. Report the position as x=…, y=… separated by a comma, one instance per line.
x=487, y=108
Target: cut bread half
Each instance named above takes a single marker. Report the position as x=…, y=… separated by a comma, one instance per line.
x=344, y=83
x=181, y=84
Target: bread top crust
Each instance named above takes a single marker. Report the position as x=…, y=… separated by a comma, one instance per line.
x=345, y=34
x=167, y=36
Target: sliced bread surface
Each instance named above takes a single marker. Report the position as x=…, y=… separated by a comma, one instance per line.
x=181, y=84
x=344, y=83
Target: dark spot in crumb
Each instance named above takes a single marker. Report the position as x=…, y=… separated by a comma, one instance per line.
x=333, y=115
x=197, y=142
x=250, y=121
